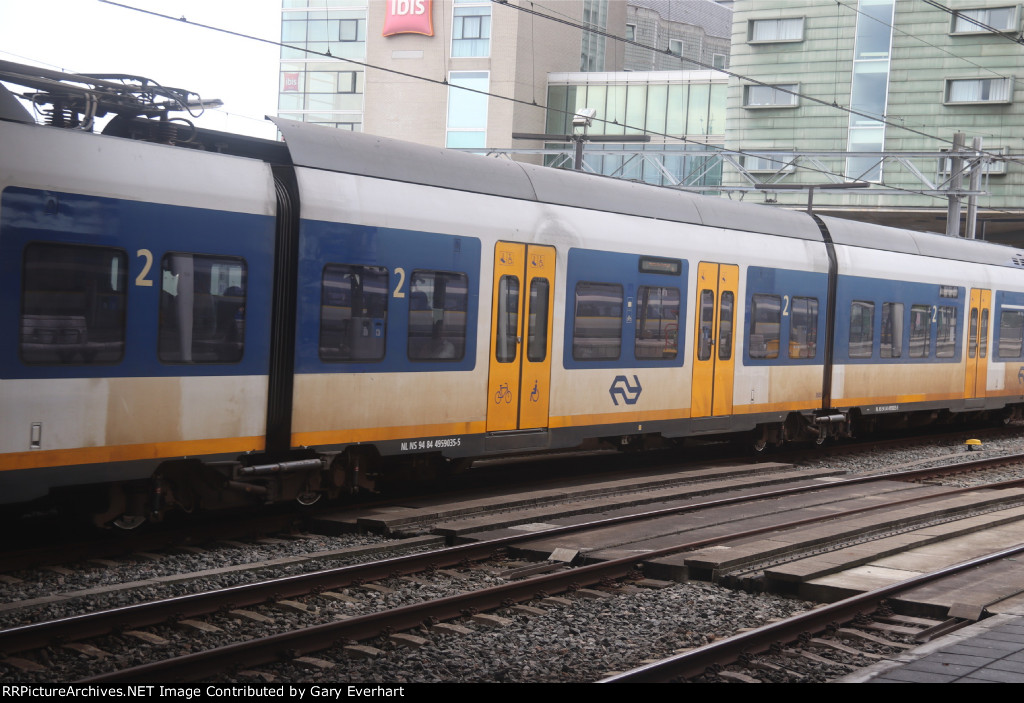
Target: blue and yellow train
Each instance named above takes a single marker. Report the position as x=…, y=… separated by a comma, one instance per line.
x=236, y=321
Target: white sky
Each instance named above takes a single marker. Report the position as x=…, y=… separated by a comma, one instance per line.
x=89, y=36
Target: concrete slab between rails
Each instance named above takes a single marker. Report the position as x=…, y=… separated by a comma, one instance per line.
x=987, y=585
x=990, y=651
x=857, y=555
x=721, y=559
x=640, y=538
x=392, y=519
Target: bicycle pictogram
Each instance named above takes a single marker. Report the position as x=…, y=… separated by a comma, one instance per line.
x=503, y=392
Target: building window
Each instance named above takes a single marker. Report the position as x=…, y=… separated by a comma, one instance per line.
x=467, y=109
x=352, y=30
x=780, y=30
x=675, y=47
x=978, y=90
x=783, y=95
x=347, y=82
x=630, y=32
x=471, y=29
x=718, y=61
x=768, y=163
x=988, y=168
x=869, y=88
x=982, y=21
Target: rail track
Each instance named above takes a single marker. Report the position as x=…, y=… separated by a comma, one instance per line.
x=306, y=640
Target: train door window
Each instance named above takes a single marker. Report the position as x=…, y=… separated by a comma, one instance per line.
x=507, y=345
x=597, y=324
x=72, y=304
x=945, y=336
x=983, y=339
x=537, y=333
x=765, y=323
x=972, y=334
x=438, y=303
x=803, y=329
x=892, y=331
x=862, y=329
x=707, y=325
x=202, y=309
x=920, y=331
x=1011, y=333
x=725, y=318
x=353, y=313
x=657, y=323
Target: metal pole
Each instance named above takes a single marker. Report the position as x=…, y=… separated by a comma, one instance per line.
x=955, y=185
x=972, y=200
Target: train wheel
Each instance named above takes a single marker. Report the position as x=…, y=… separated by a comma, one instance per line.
x=128, y=522
x=759, y=445
x=308, y=498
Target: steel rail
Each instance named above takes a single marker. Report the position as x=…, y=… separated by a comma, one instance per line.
x=296, y=643
x=140, y=615
x=697, y=661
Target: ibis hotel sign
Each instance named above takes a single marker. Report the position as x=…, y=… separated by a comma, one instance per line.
x=409, y=17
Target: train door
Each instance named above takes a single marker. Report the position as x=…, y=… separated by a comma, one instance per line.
x=714, y=345
x=978, y=325
x=519, y=380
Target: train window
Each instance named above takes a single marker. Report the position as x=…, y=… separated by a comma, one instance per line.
x=945, y=336
x=438, y=304
x=725, y=318
x=972, y=334
x=657, y=323
x=983, y=340
x=706, y=325
x=202, y=309
x=537, y=337
x=765, y=322
x=1011, y=333
x=72, y=304
x=803, y=329
x=353, y=313
x=597, y=324
x=920, y=331
x=507, y=343
x=892, y=330
x=862, y=329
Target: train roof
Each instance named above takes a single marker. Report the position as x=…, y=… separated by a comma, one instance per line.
x=342, y=151
x=870, y=236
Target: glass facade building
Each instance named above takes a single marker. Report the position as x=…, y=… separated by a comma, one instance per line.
x=315, y=87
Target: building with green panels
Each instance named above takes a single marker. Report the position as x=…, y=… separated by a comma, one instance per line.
x=847, y=83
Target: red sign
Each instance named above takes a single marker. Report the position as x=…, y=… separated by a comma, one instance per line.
x=408, y=17
x=291, y=83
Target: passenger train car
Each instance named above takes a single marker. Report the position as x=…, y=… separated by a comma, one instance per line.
x=229, y=321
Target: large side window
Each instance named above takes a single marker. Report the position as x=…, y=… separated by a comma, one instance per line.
x=202, y=309
x=1011, y=333
x=803, y=329
x=862, y=329
x=597, y=322
x=920, y=331
x=438, y=303
x=353, y=313
x=657, y=323
x=72, y=304
x=892, y=331
x=945, y=335
x=765, y=320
